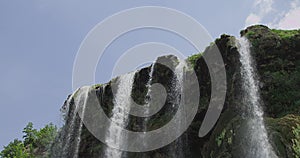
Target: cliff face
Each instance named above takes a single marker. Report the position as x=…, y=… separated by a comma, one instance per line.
x=277, y=56
x=277, y=53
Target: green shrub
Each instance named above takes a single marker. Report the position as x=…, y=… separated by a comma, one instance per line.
x=221, y=137
x=286, y=34
x=250, y=34
x=296, y=141
x=96, y=86
x=193, y=59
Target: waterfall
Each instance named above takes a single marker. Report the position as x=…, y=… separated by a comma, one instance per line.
x=66, y=150
x=80, y=102
x=148, y=96
x=68, y=143
x=177, y=150
x=257, y=137
x=119, y=116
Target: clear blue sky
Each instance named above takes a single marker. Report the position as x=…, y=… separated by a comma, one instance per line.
x=39, y=40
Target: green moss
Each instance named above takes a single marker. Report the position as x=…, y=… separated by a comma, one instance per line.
x=250, y=34
x=192, y=59
x=282, y=132
x=286, y=34
x=221, y=137
x=229, y=139
x=96, y=86
x=296, y=141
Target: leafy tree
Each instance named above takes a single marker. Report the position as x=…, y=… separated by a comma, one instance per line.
x=45, y=137
x=15, y=149
x=36, y=143
x=30, y=134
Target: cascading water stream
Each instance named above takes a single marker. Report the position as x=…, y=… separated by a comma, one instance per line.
x=72, y=132
x=148, y=95
x=177, y=150
x=119, y=115
x=69, y=131
x=80, y=102
x=257, y=137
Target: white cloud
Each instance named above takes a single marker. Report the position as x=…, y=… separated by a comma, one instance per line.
x=286, y=19
x=261, y=9
x=291, y=20
x=295, y=4
x=264, y=6
x=252, y=19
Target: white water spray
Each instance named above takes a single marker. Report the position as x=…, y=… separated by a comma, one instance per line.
x=259, y=146
x=80, y=102
x=148, y=95
x=119, y=115
x=177, y=150
x=71, y=145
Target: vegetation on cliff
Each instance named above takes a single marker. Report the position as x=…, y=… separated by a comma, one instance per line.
x=277, y=53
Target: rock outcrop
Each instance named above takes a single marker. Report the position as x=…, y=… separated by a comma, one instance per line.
x=277, y=56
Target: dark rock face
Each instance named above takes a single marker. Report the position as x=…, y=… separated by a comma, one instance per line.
x=277, y=56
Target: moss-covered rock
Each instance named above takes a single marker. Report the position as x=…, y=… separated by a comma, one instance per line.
x=283, y=134
x=276, y=53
